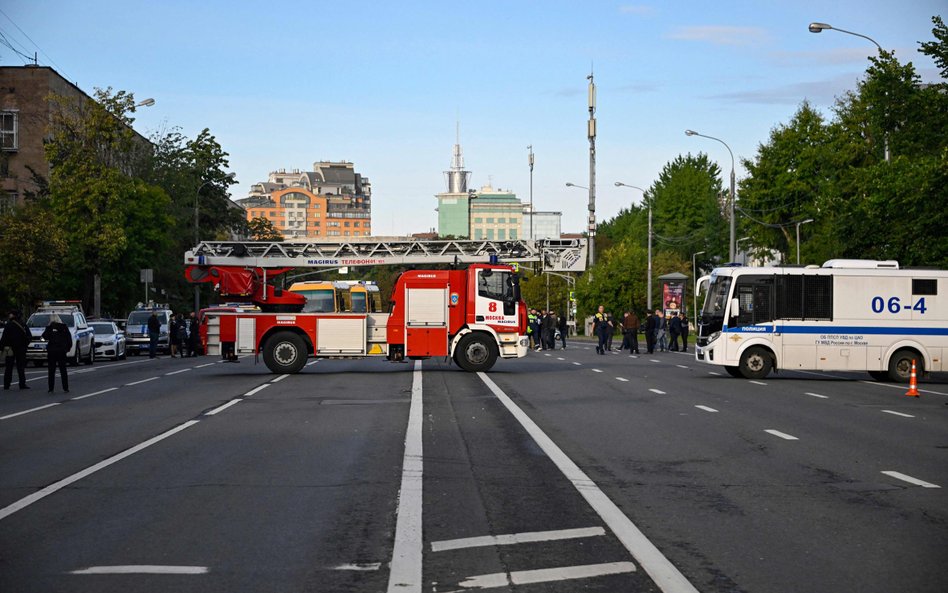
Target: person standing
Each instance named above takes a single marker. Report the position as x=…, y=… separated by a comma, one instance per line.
x=178, y=333
x=612, y=332
x=547, y=330
x=14, y=342
x=650, y=321
x=625, y=333
x=661, y=329
x=561, y=325
x=58, y=344
x=600, y=329
x=194, y=335
x=154, y=330
x=674, y=329
x=631, y=325
x=684, y=332
x=531, y=329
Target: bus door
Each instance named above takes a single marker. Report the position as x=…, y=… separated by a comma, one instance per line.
x=800, y=313
x=755, y=319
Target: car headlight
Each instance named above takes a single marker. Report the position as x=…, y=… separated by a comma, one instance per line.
x=108, y=342
x=714, y=336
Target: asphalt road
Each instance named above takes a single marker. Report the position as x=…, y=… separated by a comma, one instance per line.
x=560, y=472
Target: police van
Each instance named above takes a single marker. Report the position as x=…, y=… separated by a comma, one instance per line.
x=136, y=329
x=70, y=313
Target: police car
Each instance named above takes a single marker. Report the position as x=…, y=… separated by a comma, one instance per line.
x=70, y=313
x=136, y=329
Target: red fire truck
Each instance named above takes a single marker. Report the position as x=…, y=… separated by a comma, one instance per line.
x=473, y=315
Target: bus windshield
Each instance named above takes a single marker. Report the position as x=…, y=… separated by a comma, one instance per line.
x=716, y=302
x=358, y=302
x=322, y=300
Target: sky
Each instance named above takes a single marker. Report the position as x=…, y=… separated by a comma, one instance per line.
x=385, y=85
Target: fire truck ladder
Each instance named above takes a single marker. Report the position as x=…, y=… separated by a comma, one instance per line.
x=558, y=255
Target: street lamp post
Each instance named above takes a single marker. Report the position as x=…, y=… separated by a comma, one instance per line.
x=694, y=273
x=591, y=133
x=819, y=28
x=802, y=222
x=530, y=160
x=648, y=296
x=733, y=246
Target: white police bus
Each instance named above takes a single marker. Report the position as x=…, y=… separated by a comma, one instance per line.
x=848, y=315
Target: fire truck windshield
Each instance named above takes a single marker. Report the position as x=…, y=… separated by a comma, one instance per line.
x=497, y=285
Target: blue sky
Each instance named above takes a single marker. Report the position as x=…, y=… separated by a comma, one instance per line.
x=282, y=84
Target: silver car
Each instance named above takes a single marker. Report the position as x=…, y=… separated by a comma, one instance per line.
x=109, y=340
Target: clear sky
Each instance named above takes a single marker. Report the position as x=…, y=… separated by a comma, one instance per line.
x=282, y=84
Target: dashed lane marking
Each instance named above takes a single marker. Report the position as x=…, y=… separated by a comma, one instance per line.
x=713, y=373
x=579, y=364
x=658, y=391
x=547, y=354
x=142, y=569
x=280, y=378
x=366, y=567
x=596, y=370
x=220, y=409
x=783, y=435
x=623, y=379
x=654, y=360
x=681, y=366
x=95, y=393
x=706, y=408
x=757, y=383
x=894, y=413
x=560, y=358
x=257, y=389
x=142, y=381
x=29, y=411
x=516, y=538
x=910, y=479
x=209, y=364
x=816, y=395
x=545, y=575
x=176, y=372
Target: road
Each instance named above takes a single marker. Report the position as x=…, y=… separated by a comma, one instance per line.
x=562, y=471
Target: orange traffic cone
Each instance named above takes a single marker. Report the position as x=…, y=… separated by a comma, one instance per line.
x=913, y=383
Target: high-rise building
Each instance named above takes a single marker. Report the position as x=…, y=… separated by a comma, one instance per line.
x=495, y=214
x=331, y=201
x=546, y=225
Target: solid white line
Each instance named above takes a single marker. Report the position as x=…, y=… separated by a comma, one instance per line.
x=658, y=391
x=817, y=395
x=29, y=411
x=713, y=373
x=222, y=408
x=94, y=393
x=280, y=378
x=894, y=413
x=666, y=576
x=27, y=501
x=757, y=382
x=142, y=569
x=596, y=370
x=902, y=386
x=706, y=408
x=142, y=381
x=545, y=575
x=782, y=435
x=515, y=538
x=910, y=479
x=623, y=379
x=579, y=364
x=176, y=372
x=201, y=366
x=257, y=389
x=405, y=572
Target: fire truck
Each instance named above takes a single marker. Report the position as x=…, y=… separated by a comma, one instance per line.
x=472, y=313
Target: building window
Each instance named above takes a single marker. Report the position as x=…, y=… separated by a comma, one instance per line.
x=478, y=234
x=513, y=234
x=501, y=235
x=501, y=221
x=490, y=234
x=356, y=224
x=346, y=233
x=8, y=202
x=9, y=139
x=478, y=220
x=345, y=224
x=490, y=221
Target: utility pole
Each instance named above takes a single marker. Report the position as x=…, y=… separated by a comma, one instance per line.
x=530, y=159
x=591, y=132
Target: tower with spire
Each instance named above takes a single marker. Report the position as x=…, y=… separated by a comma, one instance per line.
x=453, y=205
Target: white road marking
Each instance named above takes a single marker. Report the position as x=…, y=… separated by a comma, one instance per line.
x=817, y=395
x=654, y=360
x=142, y=381
x=668, y=578
x=176, y=372
x=52, y=488
x=596, y=370
x=257, y=389
x=579, y=364
x=545, y=575
x=757, y=382
x=222, y=408
x=902, y=386
x=681, y=366
x=309, y=364
x=515, y=538
x=210, y=364
x=658, y=391
x=280, y=378
x=29, y=411
x=405, y=572
x=94, y=393
x=713, y=373
x=782, y=435
x=706, y=408
x=547, y=354
x=910, y=479
x=560, y=358
x=623, y=379
x=359, y=567
x=894, y=413
x=633, y=356
x=142, y=569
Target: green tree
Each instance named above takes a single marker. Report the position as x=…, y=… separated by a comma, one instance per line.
x=32, y=245
x=262, y=229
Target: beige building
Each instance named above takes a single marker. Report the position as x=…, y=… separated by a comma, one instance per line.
x=495, y=214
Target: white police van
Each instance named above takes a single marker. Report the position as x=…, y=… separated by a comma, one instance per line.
x=70, y=313
x=136, y=329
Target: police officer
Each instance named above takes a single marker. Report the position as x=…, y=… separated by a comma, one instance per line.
x=13, y=343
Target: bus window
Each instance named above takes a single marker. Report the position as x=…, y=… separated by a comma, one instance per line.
x=320, y=296
x=375, y=299
x=755, y=298
x=357, y=296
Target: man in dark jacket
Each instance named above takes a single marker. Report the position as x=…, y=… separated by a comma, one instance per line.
x=684, y=332
x=13, y=343
x=154, y=330
x=547, y=330
x=650, y=325
x=561, y=325
x=58, y=344
x=674, y=330
x=194, y=335
x=631, y=325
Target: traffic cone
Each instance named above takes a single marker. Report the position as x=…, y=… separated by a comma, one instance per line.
x=913, y=384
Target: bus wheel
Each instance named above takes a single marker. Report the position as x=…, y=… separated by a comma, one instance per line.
x=285, y=353
x=755, y=363
x=476, y=353
x=880, y=376
x=900, y=365
x=734, y=371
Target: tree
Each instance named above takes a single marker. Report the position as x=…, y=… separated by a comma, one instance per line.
x=262, y=229
x=32, y=246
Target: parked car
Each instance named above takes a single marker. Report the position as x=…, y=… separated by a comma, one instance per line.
x=109, y=340
x=70, y=313
x=136, y=329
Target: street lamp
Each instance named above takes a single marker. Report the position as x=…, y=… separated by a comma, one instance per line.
x=146, y=103
x=819, y=28
x=648, y=296
x=733, y=245
x=694, y=273
x=530, y=161
x=802, y=222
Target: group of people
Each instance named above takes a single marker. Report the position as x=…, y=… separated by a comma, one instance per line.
x=184, y=336
x=542, y=327
x=661, y=332
x=16, y=340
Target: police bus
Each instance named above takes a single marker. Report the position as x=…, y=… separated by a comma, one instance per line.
x=848, y=315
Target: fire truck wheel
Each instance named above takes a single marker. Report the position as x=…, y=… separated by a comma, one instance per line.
x=285, y=353
x=755, y=363
x=476, y=352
